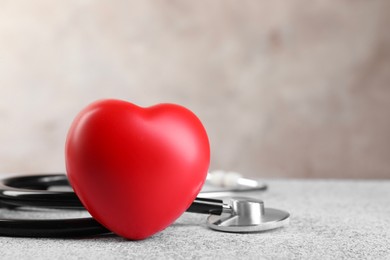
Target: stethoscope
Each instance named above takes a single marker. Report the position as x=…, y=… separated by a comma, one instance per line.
x=237, y=215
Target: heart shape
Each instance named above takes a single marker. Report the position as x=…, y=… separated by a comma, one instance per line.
x=136, y=170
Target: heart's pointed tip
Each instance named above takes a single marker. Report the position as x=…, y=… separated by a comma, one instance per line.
x=136, y=236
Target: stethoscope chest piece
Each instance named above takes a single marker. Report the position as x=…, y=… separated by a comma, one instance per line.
x=248, y=215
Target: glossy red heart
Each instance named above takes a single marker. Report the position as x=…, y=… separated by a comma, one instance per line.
x=136, y=170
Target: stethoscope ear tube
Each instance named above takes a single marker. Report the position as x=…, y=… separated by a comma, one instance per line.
x=51, y=227
x=32, y=191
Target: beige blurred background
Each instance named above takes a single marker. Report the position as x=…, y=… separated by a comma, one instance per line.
x=284, y=88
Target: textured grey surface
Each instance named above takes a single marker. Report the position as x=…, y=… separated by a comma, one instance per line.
x=329, y=220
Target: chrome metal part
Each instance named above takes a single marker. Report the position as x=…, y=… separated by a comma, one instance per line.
x=248, y=215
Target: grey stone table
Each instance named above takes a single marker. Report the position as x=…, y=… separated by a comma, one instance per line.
x=330, y=219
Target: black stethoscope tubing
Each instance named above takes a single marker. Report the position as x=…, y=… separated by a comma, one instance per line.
x=32, y=191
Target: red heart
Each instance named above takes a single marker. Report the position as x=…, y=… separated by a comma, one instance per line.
x=136, y=170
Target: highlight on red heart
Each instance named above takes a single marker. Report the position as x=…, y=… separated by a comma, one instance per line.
x=136, y=170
